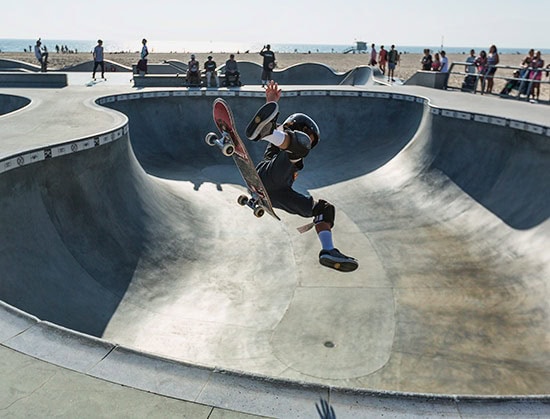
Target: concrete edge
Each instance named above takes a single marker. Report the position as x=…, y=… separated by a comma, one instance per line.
x=33, y=80
x=230, y=389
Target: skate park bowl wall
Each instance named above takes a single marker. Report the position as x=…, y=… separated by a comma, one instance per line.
x=250, y=74
x=88, y=66
x=17, y=65
x=140, y=242
x=33, y=80
x=11, y=103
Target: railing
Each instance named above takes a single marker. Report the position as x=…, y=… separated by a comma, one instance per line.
x=521, y=86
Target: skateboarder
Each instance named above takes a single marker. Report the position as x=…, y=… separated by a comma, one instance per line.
x=288, y=145
x=41, y=54
x=98, y=59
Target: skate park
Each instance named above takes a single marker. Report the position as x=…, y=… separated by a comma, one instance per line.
x=127, y=260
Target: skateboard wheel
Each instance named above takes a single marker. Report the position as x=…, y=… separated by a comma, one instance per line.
x=228, y=150
x=242, y=200
x=259, y=212
x=211, y=138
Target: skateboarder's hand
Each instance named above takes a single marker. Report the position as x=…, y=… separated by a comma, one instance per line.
x=272, y=92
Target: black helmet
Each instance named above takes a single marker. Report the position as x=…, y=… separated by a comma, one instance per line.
x=302, y=122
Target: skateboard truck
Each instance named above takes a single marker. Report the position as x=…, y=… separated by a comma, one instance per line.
x=224, y=143
x=252, y=203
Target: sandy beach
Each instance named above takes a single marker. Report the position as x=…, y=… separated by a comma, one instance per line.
x=339, y=62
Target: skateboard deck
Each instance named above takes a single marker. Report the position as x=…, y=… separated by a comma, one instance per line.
x=231, y=145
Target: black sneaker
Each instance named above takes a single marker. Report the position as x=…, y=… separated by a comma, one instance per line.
x=336, y=260
x=264, y=122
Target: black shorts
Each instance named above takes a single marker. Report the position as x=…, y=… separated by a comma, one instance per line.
x=278, y=174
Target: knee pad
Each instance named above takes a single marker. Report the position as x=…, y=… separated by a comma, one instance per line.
x=324, y=211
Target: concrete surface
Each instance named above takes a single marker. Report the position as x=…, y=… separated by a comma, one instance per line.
x=124, y=242
x=432, y=79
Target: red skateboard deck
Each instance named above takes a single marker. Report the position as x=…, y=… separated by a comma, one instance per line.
x=231, y=145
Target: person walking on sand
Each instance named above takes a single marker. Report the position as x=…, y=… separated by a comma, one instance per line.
x=98, y=59
x=373, y=54
x=288, y=145
x=393, y=59
x=382, y=59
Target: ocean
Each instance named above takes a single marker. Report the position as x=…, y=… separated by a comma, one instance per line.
x=86, y=46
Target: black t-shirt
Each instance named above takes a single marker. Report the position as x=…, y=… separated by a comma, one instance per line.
x=210, y=66
x=269, y=59
x=427, y=62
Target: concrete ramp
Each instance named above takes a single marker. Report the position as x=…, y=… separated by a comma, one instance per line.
x=141, y=242
x=88, y=66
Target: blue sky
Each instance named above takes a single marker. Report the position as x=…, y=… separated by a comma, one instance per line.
x=403, y=22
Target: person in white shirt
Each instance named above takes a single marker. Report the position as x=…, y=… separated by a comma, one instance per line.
x=41, y=55
x=444, y=63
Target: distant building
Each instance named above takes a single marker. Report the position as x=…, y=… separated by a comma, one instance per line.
x=360, y=46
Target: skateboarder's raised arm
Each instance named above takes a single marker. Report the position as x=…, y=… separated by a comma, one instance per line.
x=272, y=92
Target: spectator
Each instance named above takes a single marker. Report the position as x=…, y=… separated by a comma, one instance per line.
x=193, y=71
x=393, y=59
x=382, y=59
x=528, y=58
x=481, y=65
x=492, y=61
x=471, y=68
x=436, y=64
x=231, y=72
x=444, y=62
x=231, y=66
x=511, y=84
x=537, y=64
x=372, y=60
x=98, y=59
x=524, y=74
x=210, y=70
x=142, y=63
x=268, y=64
x=426, y=61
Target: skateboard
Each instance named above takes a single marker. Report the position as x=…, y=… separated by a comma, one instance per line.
x=231, y=144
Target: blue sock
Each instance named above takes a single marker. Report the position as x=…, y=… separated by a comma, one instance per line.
x=325, y=237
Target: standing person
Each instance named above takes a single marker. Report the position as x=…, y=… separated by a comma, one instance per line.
x=481, y=64
x=288, y=145
x=41, y=54
x=524, y=73
x=436, y=64
x=382, y=59
x=268, y=64
x=393, y=59
x=98, y=59
x=492, y=61
x=372, y=55
x=142, y=63
x=444, y=62
x=537, y=64
x=470, y=80
x=426, y=60
x=210, y=70
x=471, y=67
